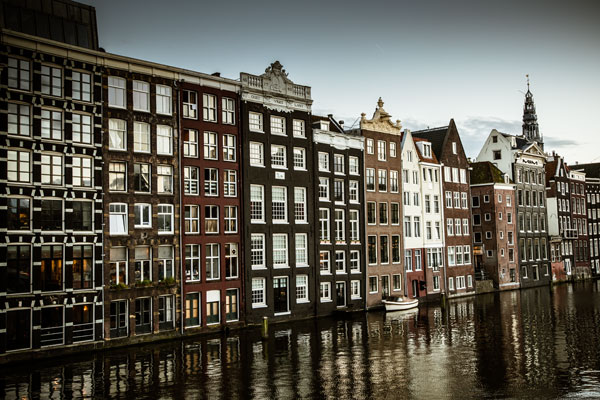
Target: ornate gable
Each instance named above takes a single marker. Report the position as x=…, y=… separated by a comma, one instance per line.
x=381, y=121
x=534, y=150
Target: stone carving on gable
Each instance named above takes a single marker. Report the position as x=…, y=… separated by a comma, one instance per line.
x=381, y=121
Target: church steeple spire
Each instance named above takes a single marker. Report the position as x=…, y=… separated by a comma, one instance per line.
x=531, y=130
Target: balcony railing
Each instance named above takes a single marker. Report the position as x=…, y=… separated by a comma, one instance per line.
x=255, y=82
x=570, y=233
x=83, y=332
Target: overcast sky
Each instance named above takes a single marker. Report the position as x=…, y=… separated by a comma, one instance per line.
x=429, y=60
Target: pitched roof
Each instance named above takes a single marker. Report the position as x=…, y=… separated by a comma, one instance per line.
x=334, y=126
x=432, y=159
x=592, y=170
x=437, y=137
x=486, y=172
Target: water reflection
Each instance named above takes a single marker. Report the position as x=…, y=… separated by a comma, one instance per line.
x=537, y=343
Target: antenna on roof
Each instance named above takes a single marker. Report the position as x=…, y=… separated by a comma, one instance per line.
x=354, y=123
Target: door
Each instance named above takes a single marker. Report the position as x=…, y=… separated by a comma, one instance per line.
x=280, y=294
x=231, y=305
x=385, y=285
x=415, y=288
x=340, y=289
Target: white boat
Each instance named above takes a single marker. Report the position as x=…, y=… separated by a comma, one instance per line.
x=399, y=303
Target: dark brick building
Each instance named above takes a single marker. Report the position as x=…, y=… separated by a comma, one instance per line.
x=278, y=195
x=210, y=187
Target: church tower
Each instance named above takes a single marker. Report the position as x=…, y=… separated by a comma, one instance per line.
x=531, y=130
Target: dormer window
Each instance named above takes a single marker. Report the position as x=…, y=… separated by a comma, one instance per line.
x=324, y=125
x=426, y=150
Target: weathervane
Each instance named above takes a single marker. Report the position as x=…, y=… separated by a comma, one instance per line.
x=527, y=75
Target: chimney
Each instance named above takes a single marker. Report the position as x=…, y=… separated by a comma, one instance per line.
x=341, y=122
x=217, y=74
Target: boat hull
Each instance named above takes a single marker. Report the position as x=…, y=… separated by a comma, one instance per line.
x=400, y=305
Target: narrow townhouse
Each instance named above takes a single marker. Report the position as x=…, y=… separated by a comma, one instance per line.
x=340, y=204
x=278, y=189
x=494, y=226
x=382, y=166
x=210, y=186
x=580, y=224
x=51, y=180
x=448, y=149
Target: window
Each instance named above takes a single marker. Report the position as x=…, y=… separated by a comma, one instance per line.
x=192, y=309
x=18, y=166
x=117, y=134
x=353, y=167
x=211, y=219
x=324, y=264
x=338, y=191
x=408, y=260
x=353, y=192
x=417, y=223
x=279, y=204
x=257, y=208
x=228, y=112
x=370, y=146
x=457, y=227
x=230, y=183
x=465, y=226
x=164, y=140
x=407, y=227
x=497, y=154
x=257, y=158
x=210, y=146
x=383, y=250
x=231, y=219
x=382, y=175
x=192, y=262
x=299, y=158
x=323, y=189
x=324, y=162
x=81, y=128
x=393, y=149
x=52, y=169
x=255, y=122
x=191, y=181
x=231, y=260
x=141, y=177
x=211, y=182
x=395, y=249
x=278, y=156
x=19, y=75
x=456, y=199
x=117, y=218
x=324, y=225
x=370, y=179
x=213, y=264
x=338, y=163
x=371, y=213
x=51, y=268
x=463, y=176
x=190, y=104
x=52, y=125
x=300, y=205
x=143, y=315
x=448, y=199
x=340, y=262
x=383, y=213
x=394, y=181
x=229, y=152
x=165, y=219
x=355, y=261
x=302, y=289
x=280, y=250
x=141, y=96
x=18, y=269
x=258, y=292
x=301, y=250
x=373, y=284
x=467, y=254
x=165, y=179
x=451, y=259
x=51, y=80
x=163, y=100
x=463, y=200
x=298, y=128
x=192, y=219
x=81, y=217
x=141, y=137
x=277, y=125
x=165, y=262
x=82, y=171
x=325, y=291
x=381, y=150
x=143, y=215
x=340, y=231
x=81, y=86
x=116, y=92
x=19, y=213
x=354, y=226
x=19, y=119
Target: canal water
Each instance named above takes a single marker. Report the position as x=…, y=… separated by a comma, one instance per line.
x=535, y=343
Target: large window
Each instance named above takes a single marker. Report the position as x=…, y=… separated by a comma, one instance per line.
x=141, y=137
x=117, y=218
x=338, y=163
x=164, y=140
x=298, y=127
x=211, y=182
x=163, y=100
x=257, y=207
x=338, y=190
x=255, y=122
x=324, y=262
x=257, y=251
x=259, y=292
x=190, y=143
x=231, y=260
x=229, y=183
x=18, y=329
x=192, y=219
x=279, y=204
x=142, y=215
x=354, y=261
x=82, y=128
x=117, y=173
x=18, y=269
x=340, y=229
x=192, y=262
x=340, y=262
x=143, y=315
x=165, y=219
x=81, y=84
x=302, y=289
x=280, y=250
x=51, y=80
x=116, y=92
x=277, y=125
x=52, y=169
x=119, y=318
x=300, y=204
x=229, y=153
x=191, y=180
x=19, y=74
x=370, y=179
x=117, y=134
x=82, y=171
x=211, y=219
x=82, y=216
x=18, y=166
x=164, y=179
x=141, y=96
x=324, y=232
x=257, y=157
x=210, y=146
x=19, y=119
x=165, y=311
x=228, y=113
x=323, y=162
x=323, y=189
x=372, y=249
x=278, y=156
x=18, y=213
x=118, y=265
x=51, y=218
x=213, y=261
x=143, y=264
x=209, y=107
x=301, y=250
x=299, y=158
x=51, y=269
x=354, y=225
x=141, y=177
x=190, y=104
x=231, y=220
x=83, y=267
x=192, y=309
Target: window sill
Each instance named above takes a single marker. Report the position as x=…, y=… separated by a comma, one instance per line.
x=326, y=301
x=280, y=266
x=302, y=265
x=282, y=313
x=257, y=165
x=255, y=131
x=355, y=298
x=355, y=272
x=325, y=273
x=279, y=167
x=300, y=169
x=258, y=222
x=261, y=268
x=302, y=301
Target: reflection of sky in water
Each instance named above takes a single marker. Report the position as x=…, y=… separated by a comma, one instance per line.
x=534, y=343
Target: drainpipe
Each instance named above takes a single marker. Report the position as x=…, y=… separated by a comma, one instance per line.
x=102, y=203
x=179, y=161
